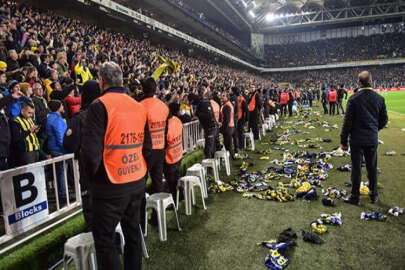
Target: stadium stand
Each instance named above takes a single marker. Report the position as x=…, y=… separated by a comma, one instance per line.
x=320, y=52
x=46, y=59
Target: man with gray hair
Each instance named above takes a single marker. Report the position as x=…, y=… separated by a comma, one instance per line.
x=115, y=144
x=12, y=62
x=365, y=115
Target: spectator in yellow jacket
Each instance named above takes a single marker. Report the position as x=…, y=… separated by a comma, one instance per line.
x=82, y=72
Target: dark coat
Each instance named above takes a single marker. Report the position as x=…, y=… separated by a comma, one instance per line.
x=365, y=115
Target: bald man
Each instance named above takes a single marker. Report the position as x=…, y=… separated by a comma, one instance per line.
x=365, y=115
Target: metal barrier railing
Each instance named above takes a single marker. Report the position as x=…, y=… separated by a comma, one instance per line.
x=31, y=194
x=191, y=134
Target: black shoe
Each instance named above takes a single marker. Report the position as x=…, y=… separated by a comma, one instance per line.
x=351, y=200
x=374, y=199
x=153, y=220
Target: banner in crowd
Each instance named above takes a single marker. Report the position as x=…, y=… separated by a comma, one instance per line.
x=24, y=198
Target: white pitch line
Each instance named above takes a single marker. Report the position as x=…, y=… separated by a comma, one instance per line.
x=403, y=114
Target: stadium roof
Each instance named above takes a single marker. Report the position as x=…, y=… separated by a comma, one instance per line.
x=269, y=15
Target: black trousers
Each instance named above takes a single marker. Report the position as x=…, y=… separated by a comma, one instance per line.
x=228, y=135
x=332, y=106
x=370, y=156
x=210, y=136
x=340, y=106
x=155, y=169
x=107, y=213
x=171, y=172
x=240, y=132
x=254, y=124
x=325, y=107
x=86, y=198
x=283, y=109
x=290, y=105
x=3, y=164
x=235, y=139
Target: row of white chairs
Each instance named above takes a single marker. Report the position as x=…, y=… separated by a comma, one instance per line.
x=81, y=248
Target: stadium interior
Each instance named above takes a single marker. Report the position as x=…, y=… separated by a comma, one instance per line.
x=207, y=51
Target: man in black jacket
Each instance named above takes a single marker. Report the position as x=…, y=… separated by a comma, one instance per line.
x=114, y=203
x=365, y=115
x=40, y=103
x=5, y=138
x=71, y=142
x=290, y=102
x=324, y=101
x=341, y=93
x=206, y=116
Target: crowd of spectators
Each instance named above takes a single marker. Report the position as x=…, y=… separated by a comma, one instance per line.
x=320, y=52
x=383, y=77
x=45, y=59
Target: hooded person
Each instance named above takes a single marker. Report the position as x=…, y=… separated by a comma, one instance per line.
x=205, y=114
x=72, y=143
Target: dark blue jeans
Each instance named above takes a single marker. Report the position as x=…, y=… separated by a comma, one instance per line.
x=60, y=174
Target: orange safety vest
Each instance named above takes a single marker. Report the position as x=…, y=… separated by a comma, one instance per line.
x=240, y=109
x=284, y=98
x=157, y=120
x=215, y=109
x=228, y=103
x=252, y=103
x=332, y=95
x=124, y=137
x=174, y=150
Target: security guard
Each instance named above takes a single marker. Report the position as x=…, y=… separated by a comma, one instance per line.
x=332, y=96
x=284, y=97
x=25, y=143
x=158, y=117
x=174, y=150
x=227, y=120
x=242, y=117
x=255, y=104
x=114, y=151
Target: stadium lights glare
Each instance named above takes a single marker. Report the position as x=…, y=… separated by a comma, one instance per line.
x=251, y=13
x=270, y=17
